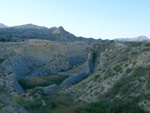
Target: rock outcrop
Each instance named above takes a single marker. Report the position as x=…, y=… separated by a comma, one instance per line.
x=72, y=79
x=51, y=87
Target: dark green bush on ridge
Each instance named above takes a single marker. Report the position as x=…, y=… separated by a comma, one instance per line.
x=1, y=61
x=128, y=70
x=117, y=68
x=109, y=73
x=147, y=44
x=145, y=49
x=7, y=40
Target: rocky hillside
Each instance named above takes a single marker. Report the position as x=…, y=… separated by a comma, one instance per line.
x=31, y=26
x=123, y=74
x=42, y=57
x=73, y=76
x=30, y=31
x=35, y=57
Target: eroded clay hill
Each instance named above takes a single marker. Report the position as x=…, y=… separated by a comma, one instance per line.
x=115, y=71
x=42, y=57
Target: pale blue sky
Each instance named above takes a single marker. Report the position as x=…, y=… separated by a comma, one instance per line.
x=88, y=18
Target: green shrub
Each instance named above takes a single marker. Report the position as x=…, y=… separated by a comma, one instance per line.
x=123, y=58
x=124, y=85
x=99, y=69
x=139, y=71
x=134, y=62
x=144, y=49
x=109, y=73
x=96, y=75
x=62, y=105
x=120, y=87
x=135, y=44
x=3, y=40
x=133, y=53
x=34, y=106
x=148, y=83
x=117, y=68
x=53, y=104
x=7, y=40
x=2, y=87
x=1, y=61
x=105, y=106
x=115, y=106
x=147, y=44
x=128, y=70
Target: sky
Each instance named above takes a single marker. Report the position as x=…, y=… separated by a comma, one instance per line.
x=106, y=19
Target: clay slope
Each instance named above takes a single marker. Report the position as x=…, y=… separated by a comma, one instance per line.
x=123, y=72
x=42, y=57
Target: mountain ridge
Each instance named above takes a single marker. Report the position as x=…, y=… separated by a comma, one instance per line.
x=3, y=25
x=31, y=31
x=30, y=26
x=140, y=38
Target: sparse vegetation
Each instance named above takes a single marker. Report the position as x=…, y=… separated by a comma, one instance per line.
x=121, y=87
x=109, y=73
x=147, y=44
x=134, y=53
x=124, y=85
x=117, y=68
x=2, y=87
x=134, y=44
x=143, y=49
x=123, y=58
x=53, y=104
x=128, y=70
x=7, y=40
x=62, y=104
x=115, y=106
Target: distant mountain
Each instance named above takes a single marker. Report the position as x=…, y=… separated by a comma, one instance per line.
x=62, y=35
x=30, y=31
x=141, y=38
x=136, y=39
x=31, y=26
x=3, y=26
x=59, y=30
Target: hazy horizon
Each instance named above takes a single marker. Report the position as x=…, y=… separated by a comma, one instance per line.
x=97, y=19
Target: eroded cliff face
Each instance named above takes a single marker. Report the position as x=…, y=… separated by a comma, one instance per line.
x=42, y=57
